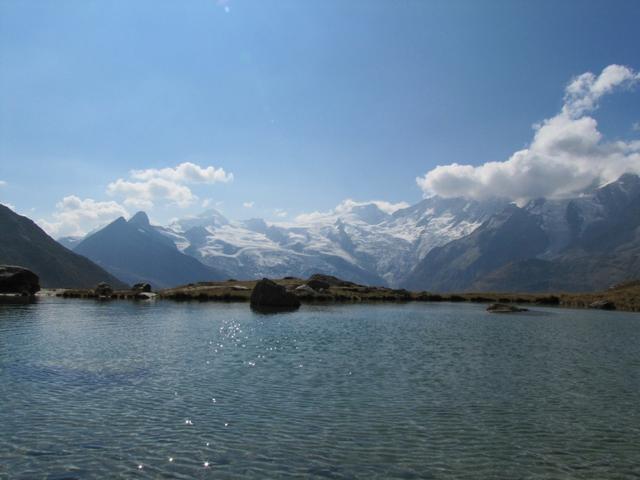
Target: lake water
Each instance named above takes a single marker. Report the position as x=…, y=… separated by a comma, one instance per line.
x=443, y=391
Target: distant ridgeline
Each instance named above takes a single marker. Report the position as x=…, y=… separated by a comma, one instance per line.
x=440, y=244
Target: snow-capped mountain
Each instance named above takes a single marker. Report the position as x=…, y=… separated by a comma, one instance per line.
x=438, y=244
x=580, y=244
x=359, y=242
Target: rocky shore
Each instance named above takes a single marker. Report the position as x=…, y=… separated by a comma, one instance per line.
x=328, y=289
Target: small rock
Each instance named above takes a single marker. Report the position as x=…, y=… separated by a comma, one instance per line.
x=141, y=287
x=603, y=305
x=504, y=308
x=103, y=290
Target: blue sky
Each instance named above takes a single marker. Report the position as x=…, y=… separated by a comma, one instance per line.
x=302, y=104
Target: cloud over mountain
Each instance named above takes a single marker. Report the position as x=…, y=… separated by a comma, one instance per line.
x=566, y=156
x=346, y=207
x=144, y=187
x=76, y=216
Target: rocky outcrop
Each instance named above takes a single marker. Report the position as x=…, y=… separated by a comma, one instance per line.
x=268, y=296
x=318, y=285
x=141, y=287
x=603, y=305
x=103, y=290
x=504, y=308
x=329, y=280
x=18, y=280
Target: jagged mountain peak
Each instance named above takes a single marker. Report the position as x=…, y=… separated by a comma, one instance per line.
x=140, y=218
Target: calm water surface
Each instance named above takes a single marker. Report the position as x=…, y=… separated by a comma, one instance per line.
x=166, y=390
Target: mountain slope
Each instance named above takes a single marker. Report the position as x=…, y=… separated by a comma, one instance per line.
x=582, y=244
x=511, y=235
x=23, y=243
x=136, y=252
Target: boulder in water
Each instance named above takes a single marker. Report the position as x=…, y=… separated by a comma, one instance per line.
x=20, y=280
x=268, y=296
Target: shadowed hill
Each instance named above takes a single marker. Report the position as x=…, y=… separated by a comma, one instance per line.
x=136, y=252
x=23, y=243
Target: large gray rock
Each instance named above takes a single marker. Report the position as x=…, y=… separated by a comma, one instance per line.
x=269, y=296
x=19, y=280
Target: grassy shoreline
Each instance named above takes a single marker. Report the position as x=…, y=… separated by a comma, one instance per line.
x=625, y=297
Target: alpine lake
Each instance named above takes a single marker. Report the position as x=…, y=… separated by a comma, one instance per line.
x=123, y=389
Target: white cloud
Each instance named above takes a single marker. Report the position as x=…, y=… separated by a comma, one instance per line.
x=76, y=216
x=144, y=187
x=143, y=194
x=584, y=91
x=636, y=126
x=279, y=212
x=186, y=172
x=344, y=208
x=3, y=183
x=248, y=204
x=387, y=207
x=566, y=156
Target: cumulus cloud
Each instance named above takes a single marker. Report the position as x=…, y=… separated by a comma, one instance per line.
x=186, y=172
x=76, y=216
x=248, y=204
x=388, y=207
x=566, y=156
x=279, y=212
x=144, y=187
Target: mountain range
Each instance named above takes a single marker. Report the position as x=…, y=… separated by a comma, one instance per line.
x=439, y=244
x=135, y=252
x=580, y=244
